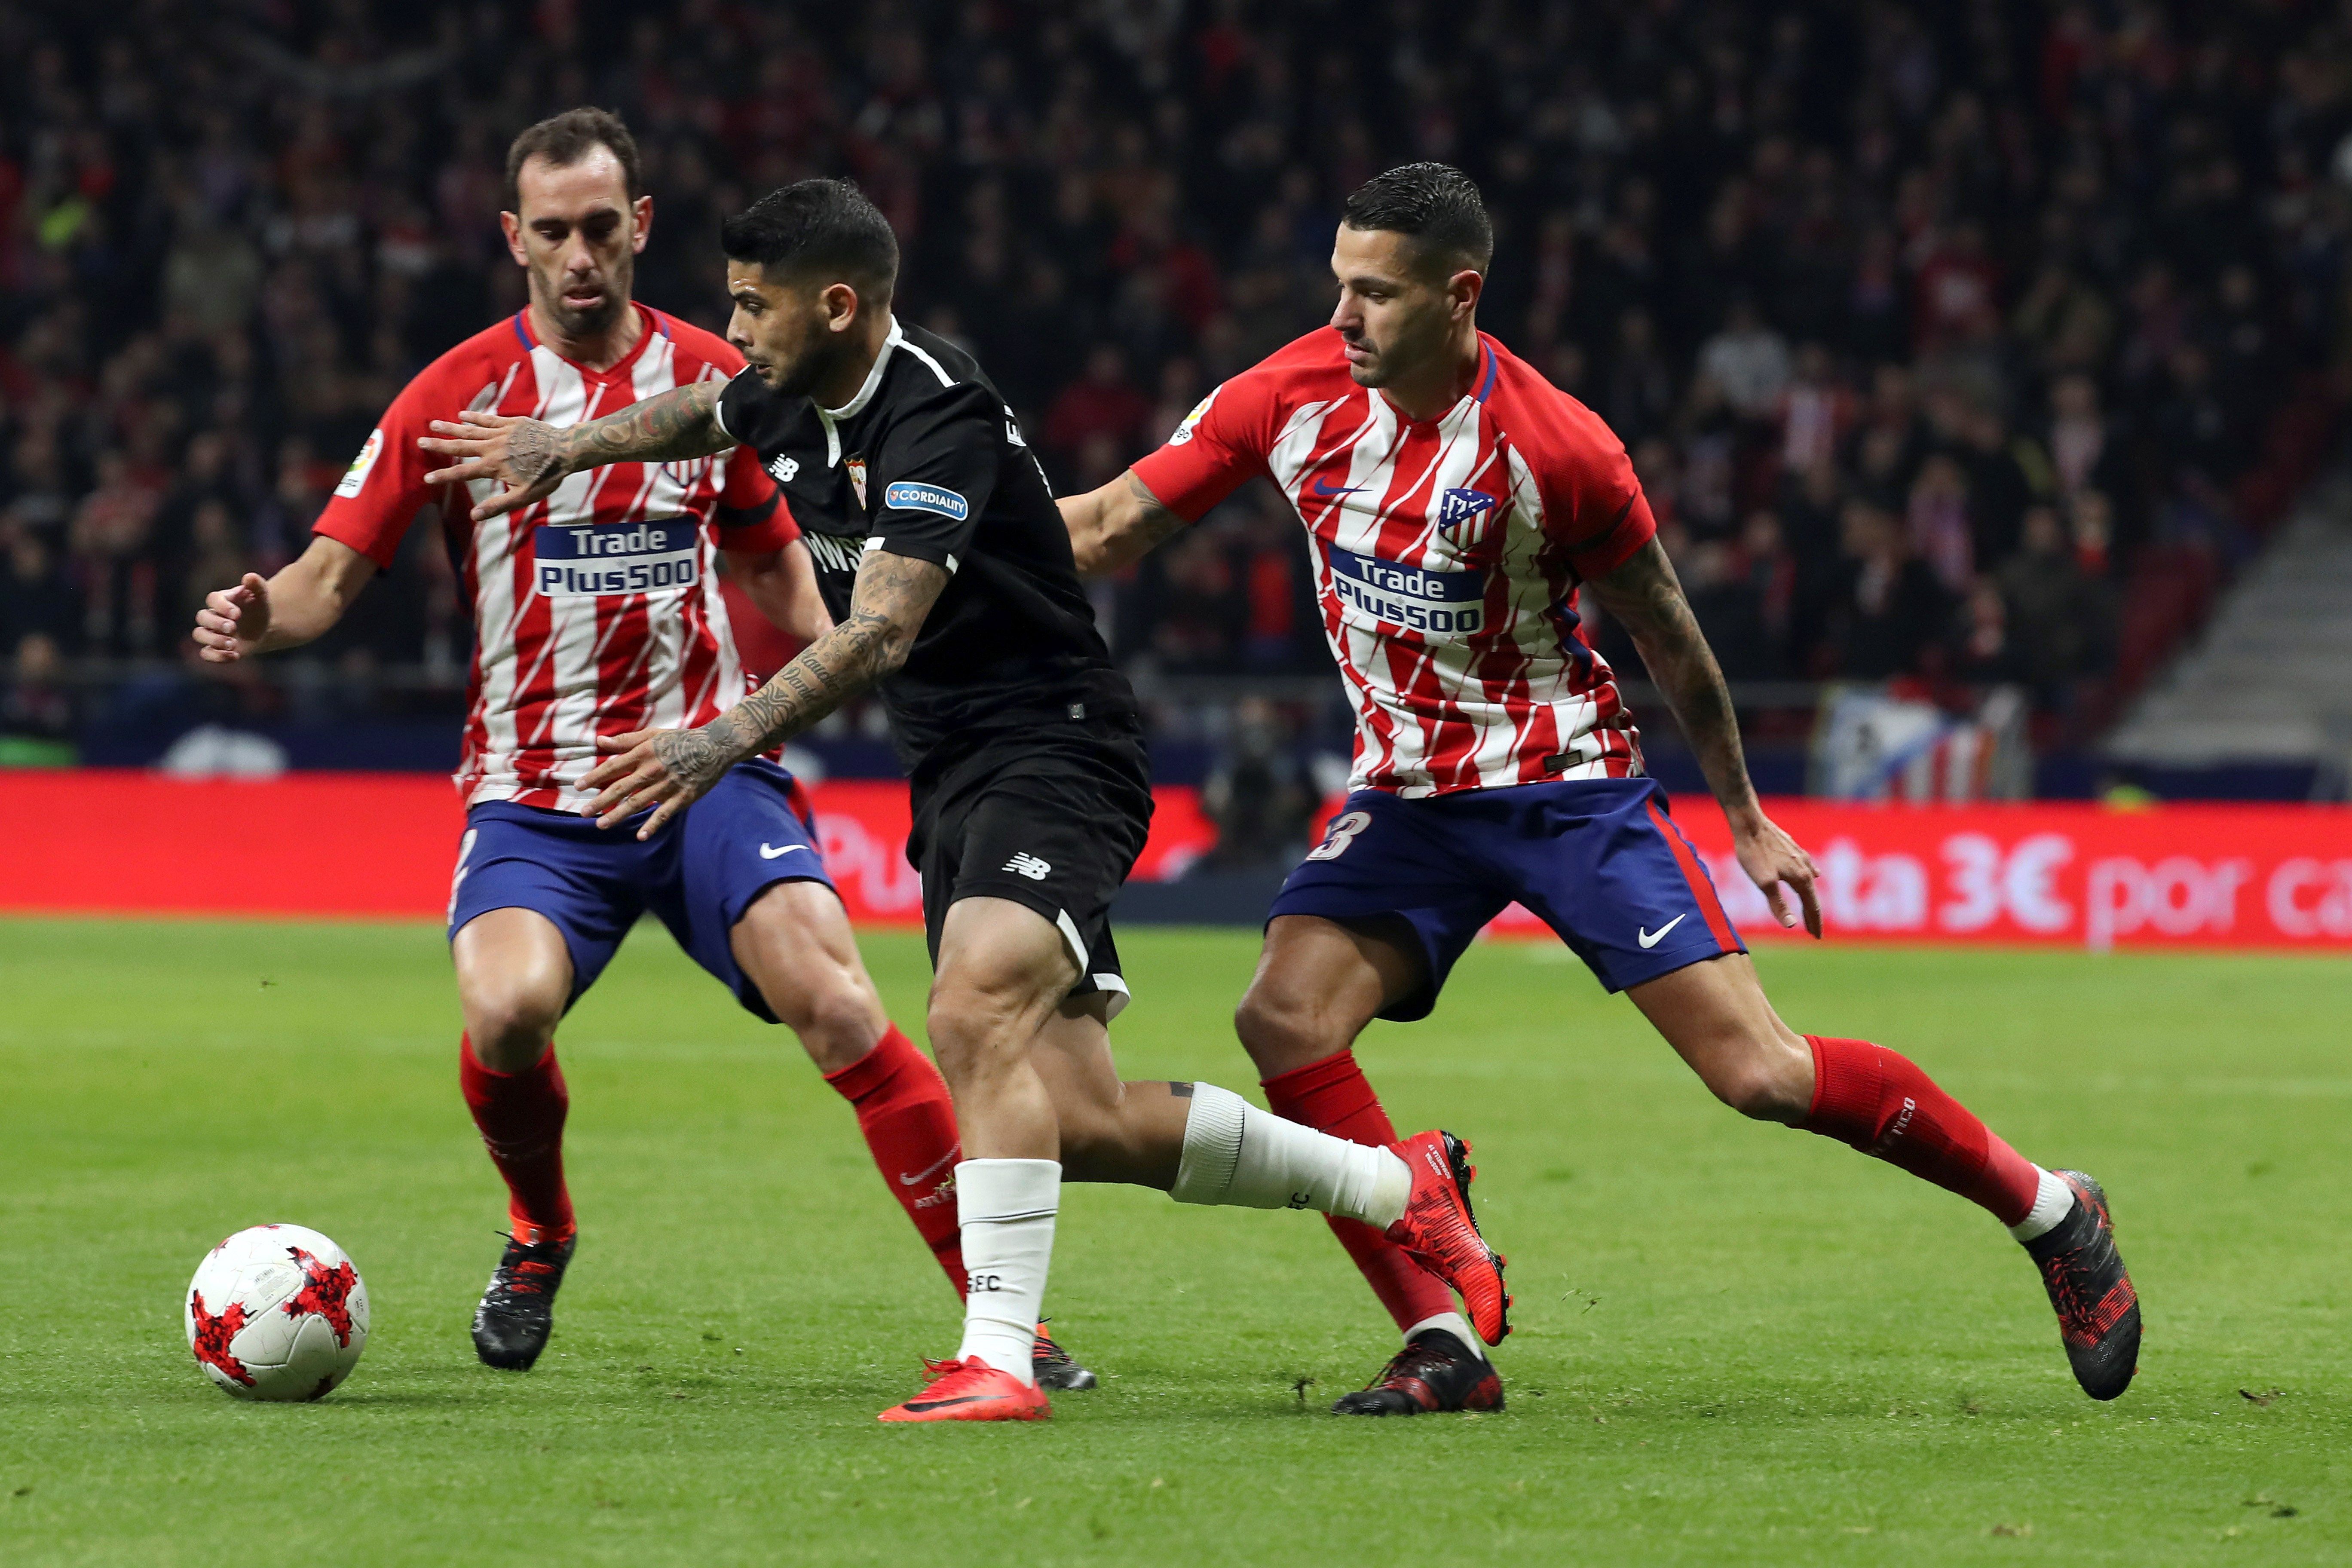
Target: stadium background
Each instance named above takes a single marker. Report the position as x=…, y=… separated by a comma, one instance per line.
x=2050, y=326
x=1967, y=354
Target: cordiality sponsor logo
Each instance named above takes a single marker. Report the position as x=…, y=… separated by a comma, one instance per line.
x=908, y=495
x=603, y=560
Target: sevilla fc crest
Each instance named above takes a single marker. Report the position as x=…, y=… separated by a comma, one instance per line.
x=1462, y=517
x=856, y=466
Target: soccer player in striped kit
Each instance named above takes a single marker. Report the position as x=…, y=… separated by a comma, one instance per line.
x=597, y=613
x=1456, y=503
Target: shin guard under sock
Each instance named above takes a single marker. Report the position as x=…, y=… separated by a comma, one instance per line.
x=1333, y=1096
x=909, y=1122
x=520, y=1115
x=1882, y=1104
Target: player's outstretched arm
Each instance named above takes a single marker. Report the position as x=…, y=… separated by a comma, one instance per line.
x=1647, y=599
x=1116, y=525
x=670, y=770
x=295, y=606
x=530, y=457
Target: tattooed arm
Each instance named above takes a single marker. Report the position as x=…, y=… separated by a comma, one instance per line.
x=1119, y=523
x=533, y=458
x=1646, y=598
x=671, y=769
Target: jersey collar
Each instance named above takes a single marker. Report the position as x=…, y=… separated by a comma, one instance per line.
x=830, y=417
x=648, y=319
x=1482, y=386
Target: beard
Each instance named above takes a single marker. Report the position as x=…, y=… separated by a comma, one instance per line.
x=587, y=321
x=807, y=372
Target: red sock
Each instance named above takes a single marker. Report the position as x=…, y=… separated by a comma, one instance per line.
x=1333, y=1096
x=1880, y=1103
x=521, y=1118
x=909, y=1121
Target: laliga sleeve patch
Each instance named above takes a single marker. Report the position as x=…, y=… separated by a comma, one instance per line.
x=907, y=495
x=1199, y=411
x=356, y=475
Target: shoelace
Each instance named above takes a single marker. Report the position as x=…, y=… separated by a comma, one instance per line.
x=1413, y=1361
x=946, y=1377
x=2066, y=1292
x=520, y=1274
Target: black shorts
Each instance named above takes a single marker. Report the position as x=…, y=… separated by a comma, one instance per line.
x=1051, y=818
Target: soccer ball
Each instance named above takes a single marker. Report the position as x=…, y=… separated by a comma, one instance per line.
x=276, y=1312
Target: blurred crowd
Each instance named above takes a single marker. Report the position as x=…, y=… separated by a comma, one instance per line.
x=1964, y=342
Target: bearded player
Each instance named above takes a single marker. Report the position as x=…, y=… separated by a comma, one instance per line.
x=948, y=569
x=596, y=612
x=1456, y=502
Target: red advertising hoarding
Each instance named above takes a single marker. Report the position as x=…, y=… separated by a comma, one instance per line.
x=2275, y=876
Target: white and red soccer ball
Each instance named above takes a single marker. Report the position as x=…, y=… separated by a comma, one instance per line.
x=276, y=1312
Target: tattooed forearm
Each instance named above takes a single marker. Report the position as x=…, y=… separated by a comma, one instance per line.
x=1117, y=524
x=894, y=593
x=1647, y=599
x=669, y=427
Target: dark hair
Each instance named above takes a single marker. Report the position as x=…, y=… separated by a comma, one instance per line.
x=566, y=139
x=1435, y=204
x=822, y=228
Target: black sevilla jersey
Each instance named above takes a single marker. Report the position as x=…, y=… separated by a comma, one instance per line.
x=926, y=462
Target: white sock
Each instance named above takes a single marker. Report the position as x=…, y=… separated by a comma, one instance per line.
x=2051, y=1203
x=1006, y=1209
x=1236, y=1153
x=1454, y=1323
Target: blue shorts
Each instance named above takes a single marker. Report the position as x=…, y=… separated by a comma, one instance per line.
x=699, y=874
x=1597, y=860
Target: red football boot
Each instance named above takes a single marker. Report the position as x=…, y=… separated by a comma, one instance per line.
x=1439, y=1229
x=970, y=1391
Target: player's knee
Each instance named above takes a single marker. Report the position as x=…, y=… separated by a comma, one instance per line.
x=1760, y=1083
x=509, y=1025
x=1285, y=1030
x=837, y=1022
x=974, y=1027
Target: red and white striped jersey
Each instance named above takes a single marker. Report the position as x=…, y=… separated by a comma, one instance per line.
x=596, y=612
x=1447, y=553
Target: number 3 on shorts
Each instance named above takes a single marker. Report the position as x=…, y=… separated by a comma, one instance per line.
x=1341, y=833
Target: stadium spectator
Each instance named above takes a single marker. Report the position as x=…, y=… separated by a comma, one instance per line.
x=1798, y=255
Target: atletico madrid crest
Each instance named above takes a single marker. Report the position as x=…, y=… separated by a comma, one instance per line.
x=1463, y=516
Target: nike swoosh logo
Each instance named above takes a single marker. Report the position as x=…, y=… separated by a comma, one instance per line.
x=1324, y=489
x=943, y=1403
x=768, y=854
x=1652, y=938
x=930, y=1170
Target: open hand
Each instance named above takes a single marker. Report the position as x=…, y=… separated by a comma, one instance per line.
x=234, y=620
x=1771, y=858
x=667, y=770
x=520, y=453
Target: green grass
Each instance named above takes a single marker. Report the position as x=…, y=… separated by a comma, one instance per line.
x=1736, y=1344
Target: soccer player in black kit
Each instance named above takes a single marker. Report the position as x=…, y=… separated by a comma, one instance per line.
x=946, y=566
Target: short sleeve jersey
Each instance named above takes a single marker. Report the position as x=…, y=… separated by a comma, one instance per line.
x=595, y=611
x=1446, y=554
x=928, y=462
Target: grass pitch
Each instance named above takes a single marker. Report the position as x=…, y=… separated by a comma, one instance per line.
x=1736, y=1344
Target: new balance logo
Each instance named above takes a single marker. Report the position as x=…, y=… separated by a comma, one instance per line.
x=784, y=469
x=1027, y=865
